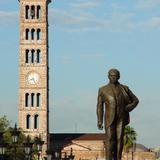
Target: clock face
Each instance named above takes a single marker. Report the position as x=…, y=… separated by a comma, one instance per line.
x=33, y=78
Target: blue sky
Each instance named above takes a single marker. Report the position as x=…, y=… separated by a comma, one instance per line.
x=86, y=38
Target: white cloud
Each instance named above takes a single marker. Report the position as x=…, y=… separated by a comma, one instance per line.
x=65, y=59
x=93, y=56
x=68, y=59
x=122, y=22
x=148, y=4
x=7, y=18
x=77, y=18
x=69, y=21
x=152, y=23
x=5, y=2
x=116, y=17
x=86, y=5
x=117, y=6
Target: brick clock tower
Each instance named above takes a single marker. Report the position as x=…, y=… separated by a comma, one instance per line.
x=33, y=69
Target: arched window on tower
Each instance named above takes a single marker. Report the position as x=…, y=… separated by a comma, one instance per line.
x=32, y=55
x=38, y=34
x=26, y=99
x=32, y=99
x=27, y=12
x=32, y=34
x=27, y=56
x=27, y=34
x=32, y=12
x=36, y=121
x=38, y=12
x=38, y=56
x=38, y=99
x=28, y=123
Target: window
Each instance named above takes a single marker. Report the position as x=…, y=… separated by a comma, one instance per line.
x=38, y=56
x=36, y=121
x=26, y=99
x=27, y=12
x=32, y=55
x=27, y=34
x=32, y=34
x=28, y=122
x=32, y=12
x=38, y=12
x=38, y=99
x=32, y=99
x=38, y=34
x=27, y=56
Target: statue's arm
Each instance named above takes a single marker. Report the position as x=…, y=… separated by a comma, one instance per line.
x=100, y=110
x=133, y=103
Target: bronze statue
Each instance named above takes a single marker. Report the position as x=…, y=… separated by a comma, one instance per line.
x=119, y=101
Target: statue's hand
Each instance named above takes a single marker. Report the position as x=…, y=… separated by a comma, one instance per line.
x=100, y=126
x=129, y=108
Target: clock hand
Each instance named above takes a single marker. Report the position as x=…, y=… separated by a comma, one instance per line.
x=34, y=80
x=30, y=78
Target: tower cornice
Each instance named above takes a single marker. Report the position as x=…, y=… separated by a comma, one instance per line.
x=49, y=1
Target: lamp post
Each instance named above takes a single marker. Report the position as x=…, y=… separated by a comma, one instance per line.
x=28, y=148
x=57, y=155
x=2, y=146
x=2, y=150
x=39, y=144
x=49, y=155
x=15, y=134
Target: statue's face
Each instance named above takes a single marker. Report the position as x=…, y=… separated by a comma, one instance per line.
x=113, y=77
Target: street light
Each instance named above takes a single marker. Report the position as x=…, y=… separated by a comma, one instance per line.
x=28, y=148
x=2, y=146
x=15, y=134
x=39, y=144
x=2, y=150
x=56, y=155
x=49, y=155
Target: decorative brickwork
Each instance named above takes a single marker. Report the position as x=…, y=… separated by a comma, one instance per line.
x=33, y=69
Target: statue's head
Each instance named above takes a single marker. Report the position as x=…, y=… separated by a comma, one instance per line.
x=113, y=75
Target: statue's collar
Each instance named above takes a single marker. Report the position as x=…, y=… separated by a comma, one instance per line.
x=114, y=85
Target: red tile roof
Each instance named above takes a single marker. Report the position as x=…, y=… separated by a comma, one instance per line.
x=77, y=136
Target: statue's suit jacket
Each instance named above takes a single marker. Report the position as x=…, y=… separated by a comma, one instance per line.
x=116, y=105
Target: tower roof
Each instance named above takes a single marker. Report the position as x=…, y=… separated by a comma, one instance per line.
x=49, y=1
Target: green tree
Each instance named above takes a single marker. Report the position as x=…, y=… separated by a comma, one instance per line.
x=14, y=150
x=4, y=123
x=129, y=137
x=17, y=149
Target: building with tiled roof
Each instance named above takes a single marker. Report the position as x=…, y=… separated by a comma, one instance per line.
x=82, y=146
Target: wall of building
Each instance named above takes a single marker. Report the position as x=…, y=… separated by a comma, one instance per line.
x=94, y=150
x=139, y=156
